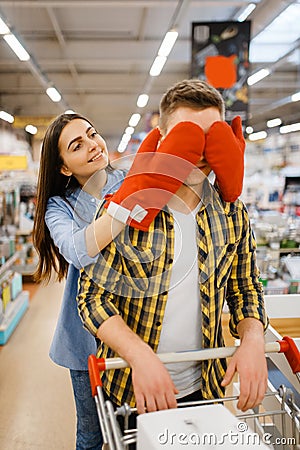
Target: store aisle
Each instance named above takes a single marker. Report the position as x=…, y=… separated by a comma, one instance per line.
x=36, y=403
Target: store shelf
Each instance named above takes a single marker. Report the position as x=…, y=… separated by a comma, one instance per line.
x=26, y=270
x=13, y=314
x=278, y=250
x=288, y=250
x=8, y=263
x=23, y=232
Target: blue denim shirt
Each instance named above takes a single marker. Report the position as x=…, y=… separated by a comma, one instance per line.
x=72, y=344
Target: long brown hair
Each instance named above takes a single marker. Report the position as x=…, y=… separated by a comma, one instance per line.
x=51, y=182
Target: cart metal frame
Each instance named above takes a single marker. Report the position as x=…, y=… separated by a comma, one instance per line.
x=281, y=422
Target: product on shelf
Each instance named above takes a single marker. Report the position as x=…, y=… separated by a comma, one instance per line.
x=291, y=273
x=13, y=300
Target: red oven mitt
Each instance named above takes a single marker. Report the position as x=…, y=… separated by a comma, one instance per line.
x=156, y=174
x=224, y=152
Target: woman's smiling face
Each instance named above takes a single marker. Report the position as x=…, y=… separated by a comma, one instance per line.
x=82, y=149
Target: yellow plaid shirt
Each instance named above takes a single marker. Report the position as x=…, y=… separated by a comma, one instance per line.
x=132, y=275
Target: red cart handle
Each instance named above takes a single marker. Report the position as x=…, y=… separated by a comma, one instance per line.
x=291, y=352
x=286, y=346
x=95, y=366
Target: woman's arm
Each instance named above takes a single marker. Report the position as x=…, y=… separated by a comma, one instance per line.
x=101, y=232
x=77, y=245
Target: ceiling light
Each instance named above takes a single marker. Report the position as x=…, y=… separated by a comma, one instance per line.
x=16, y=47
x=129, y=130
x=134, y=120
x=142, y=100
x=157, y=65
x=284, y=28
x=31, y=129
x=249, y=130
x=168, y=43
x=274, y=122
x=290, y=128
x=53, y=94
x=295, y=97
x=3, y=27
x=247, y=11
x=126, y=137
x=122, y=147
x=69, y=111
x=257, y=76
x=7, y=117
x=283, y=31
x=258, y=135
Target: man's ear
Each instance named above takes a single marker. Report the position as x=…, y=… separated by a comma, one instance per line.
x=65, y=171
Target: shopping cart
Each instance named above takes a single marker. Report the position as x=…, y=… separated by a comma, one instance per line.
x=274, y=424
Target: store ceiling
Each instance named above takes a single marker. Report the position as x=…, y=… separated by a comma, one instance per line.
x=98, y=55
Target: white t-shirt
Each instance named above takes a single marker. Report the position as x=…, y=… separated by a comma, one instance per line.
x=181, y=329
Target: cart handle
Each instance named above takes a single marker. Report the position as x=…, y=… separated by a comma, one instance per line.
x=286, y=346
x=291, y=352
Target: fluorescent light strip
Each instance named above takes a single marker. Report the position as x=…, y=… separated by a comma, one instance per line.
x=142, y=100
x=31, y=129
x=156, y=68
x=295, y=97
x=16, y=47
x=167, y=43
x=7, y=117
x=289, y=128
x=126, y=138
x=134, y=120
x=129, y=130
x=157, y=65
x=53, y=94
x=274, y=122
x=124, y=142
x=282, y=32
x=23, y=55
x=258, y=76
x=257, y=136
x=284, y=28
x=122, y=147
x=3, y=27
x=248, y=10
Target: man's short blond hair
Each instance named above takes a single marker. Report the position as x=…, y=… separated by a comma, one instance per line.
x=195, y=94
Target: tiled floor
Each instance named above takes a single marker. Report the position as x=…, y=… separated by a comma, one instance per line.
x=36, y=403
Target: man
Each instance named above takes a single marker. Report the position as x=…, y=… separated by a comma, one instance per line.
x=163, y=289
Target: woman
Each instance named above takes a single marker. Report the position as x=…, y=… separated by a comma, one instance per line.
x=74, y=175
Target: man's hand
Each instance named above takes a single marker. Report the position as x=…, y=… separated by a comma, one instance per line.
x=153, y=387
x=249, y=362
x=152, y=384
x=224, y=152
